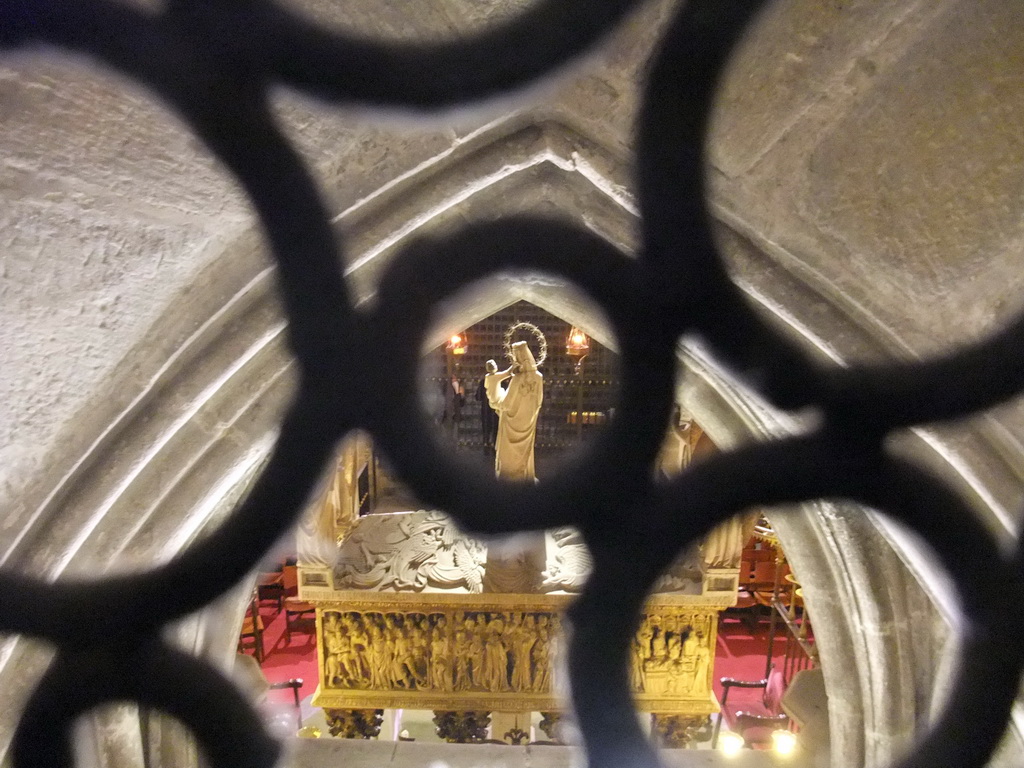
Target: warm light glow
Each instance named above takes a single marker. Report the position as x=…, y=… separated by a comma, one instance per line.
x=784, y=742
x=730, y=743
x=577, y=343
x=457, y=344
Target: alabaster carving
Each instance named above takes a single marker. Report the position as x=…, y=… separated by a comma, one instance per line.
x=672, y=655
x=315, y=542
x=517, y=407
x=514, y=565
x=685, y=575
x=330, y=518
x=571, y=563
x=409, y=552
x=723, y=546
x=479, y=651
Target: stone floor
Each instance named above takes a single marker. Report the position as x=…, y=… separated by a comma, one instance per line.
x=320, y=753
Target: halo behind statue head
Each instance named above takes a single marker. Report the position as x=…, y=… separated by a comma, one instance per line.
x=538, y=337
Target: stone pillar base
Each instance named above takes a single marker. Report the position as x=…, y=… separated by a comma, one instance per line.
x=462, y=727
x=354, y=723
x=681, y=731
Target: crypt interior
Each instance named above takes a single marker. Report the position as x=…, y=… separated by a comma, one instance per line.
x=865, y=172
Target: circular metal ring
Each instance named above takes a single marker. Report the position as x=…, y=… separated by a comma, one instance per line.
x=624, y=449
x=687, y=276
x=542, y=343
x=153, y=675
x=241, y=133
x=829, y=465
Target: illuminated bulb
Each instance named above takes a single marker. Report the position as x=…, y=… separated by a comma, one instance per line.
x=784, y=742
x=731, y=743
x=578, y=339
x=456, y=340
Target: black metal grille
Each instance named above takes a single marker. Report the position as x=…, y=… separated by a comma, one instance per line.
x=213, y=60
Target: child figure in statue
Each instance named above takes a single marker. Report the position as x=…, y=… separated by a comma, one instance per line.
x=517, y=407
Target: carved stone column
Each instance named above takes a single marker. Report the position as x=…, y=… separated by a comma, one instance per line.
x=354, y=723
x=680, y=731
x=462, y=727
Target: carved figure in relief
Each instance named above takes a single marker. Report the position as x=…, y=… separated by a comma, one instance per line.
x=517, y=408
x=404, y=665
x=659, y=641
x=556, y=637
x=702, y=660
x=689, y=645
x=675, y=645
x=440, y=657
x=541, y=660
x=463, y=678
x=572, y=562
x=377, y=657
x=392, y=642
x=333, y=642
x=636, y=666
x=406, y=552
x=644, y=635
x=347, y=651
x=475, y=651
x=419, y=645
x=495, y=666
x=522, y=639
x=360, y=642
x=677, y=677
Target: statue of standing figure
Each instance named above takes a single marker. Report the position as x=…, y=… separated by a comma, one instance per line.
x=517, y=407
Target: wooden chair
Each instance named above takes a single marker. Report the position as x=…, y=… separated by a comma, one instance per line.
x=251, y=635
x=299, y=616
x=295, y=684
x=290, y=580
x=270, y=586
x=756, y=724
x=756, y=586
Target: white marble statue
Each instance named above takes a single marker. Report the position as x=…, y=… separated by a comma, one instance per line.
x=517, y=408
x=408, y=552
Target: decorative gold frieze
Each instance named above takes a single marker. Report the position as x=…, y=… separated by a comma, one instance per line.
x=672, y=655
x=452, y=651
x=496, y=656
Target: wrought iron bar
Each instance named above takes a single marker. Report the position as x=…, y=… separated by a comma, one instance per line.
x=213, y=60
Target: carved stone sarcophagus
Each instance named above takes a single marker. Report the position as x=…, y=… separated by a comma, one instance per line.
x=418, y=616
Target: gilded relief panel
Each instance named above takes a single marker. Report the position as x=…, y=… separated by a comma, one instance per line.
x=451, y=651
x=494, y=658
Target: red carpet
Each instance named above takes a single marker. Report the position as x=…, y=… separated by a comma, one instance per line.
x=742, y=655
x=284, y=660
